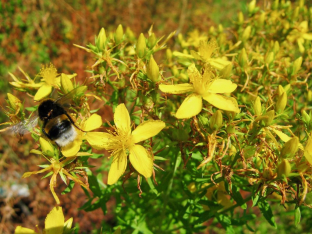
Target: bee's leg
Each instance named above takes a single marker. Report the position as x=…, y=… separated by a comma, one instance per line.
x=72, y=121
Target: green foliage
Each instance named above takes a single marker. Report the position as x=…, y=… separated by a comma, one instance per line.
x=240, y=138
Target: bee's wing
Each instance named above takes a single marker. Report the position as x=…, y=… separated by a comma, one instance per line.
x=67, y=98
x=23, y=127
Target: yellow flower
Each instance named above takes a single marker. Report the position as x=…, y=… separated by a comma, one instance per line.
x=95, y=139
x=207, y=87
x=54, y=224
x=206, y=53
x=300, y=34
x=123, y=142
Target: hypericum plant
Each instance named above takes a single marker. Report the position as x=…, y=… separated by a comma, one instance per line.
x=249, y=140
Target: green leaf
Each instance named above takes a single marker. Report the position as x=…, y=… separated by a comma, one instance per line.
x=265, y=209
x=297, y=215
x=238, y=197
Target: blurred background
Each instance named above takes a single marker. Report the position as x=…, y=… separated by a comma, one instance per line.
x=38, y=32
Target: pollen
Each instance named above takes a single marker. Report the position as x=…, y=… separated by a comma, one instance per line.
x=49, y=73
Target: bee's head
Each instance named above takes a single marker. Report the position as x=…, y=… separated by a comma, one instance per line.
x=46, y=108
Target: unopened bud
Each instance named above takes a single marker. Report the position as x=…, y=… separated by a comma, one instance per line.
x=276, y=47
x=101, y=39
x=151, y=41
x=220, y=28
x=280, y=90
x=119, y=34
x=269, y=118
x=309, y=95
x=46, y=147
x=301, y=3
x=140, y=46
x=281, y=103
x=230, y=129
x=257, y=106
x=290, y=148
x=14, y=102
x=284, y=168
x=305, y=117
x=192, y=187
x=66, y=83
x=175, y=71
x=261, y=19
x=251, y=6
x=269, y=58
x=295, y=13
x=212, y=30
x=152, y=70
x=243, y=58
x=130, y=34
x=246, y=33
x=169, y=55
x=216, y=120
x=240, y=18
x=297, y=65
x=275, y=4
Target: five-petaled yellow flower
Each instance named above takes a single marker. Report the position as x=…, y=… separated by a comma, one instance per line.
x=300, y=34
x=54, y=224
x=124, y=141
x=207, y=87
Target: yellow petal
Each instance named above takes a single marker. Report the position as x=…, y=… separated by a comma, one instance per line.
x=190, y=107
x=222, y=86
x=66, y=83
x=307, y=36
x=99, y=140
x=147, y=130
x=54, y=221
x=118, y=167
x=94, y=122
x=22, y=230
x=43, y=92
x=176, y=89
x=122, y=118
x=222, y=102
x=141, y=160
x=72, y=148
x=219, y=63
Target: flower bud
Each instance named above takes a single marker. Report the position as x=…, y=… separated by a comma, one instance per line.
x=140, y=46
x=269, y=58
x=269, y=118
x=280, y=90
x=240, y=18
x=284, y=168
x=151, y=41
x=281, y=103
x=257, y=106
x=297, y=65
x=216, y=120
x=152, y=70
x=130, y=34
x=220, y=28
x=276, y=47
x=295, y=13
x=169, y=55
x=251, y=6
x=290, y=148
x=246, y=33
x=243, y=58
x=275, y=4
x=119, y=34
x=192, y=187
x=101, y=40
x=305, y=117
x=309, y=95
x=230, y=129
x=66, y=83
x=46, y=147
x=261, y=19
x=212, y=30
x=175, y=71
x=14, y=102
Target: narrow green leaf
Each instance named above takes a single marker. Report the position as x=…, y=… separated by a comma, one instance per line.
x=265, y=209
x=297, y=215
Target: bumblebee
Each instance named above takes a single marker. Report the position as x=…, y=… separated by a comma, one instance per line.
x=57, y=124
